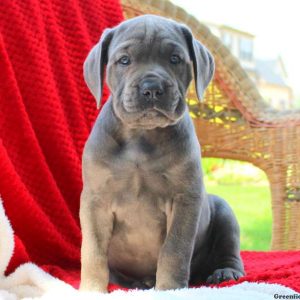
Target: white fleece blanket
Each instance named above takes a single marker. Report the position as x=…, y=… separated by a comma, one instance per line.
x=31, y=282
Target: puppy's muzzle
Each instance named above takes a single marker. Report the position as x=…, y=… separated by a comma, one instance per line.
x=151, y=89
x=153, y=92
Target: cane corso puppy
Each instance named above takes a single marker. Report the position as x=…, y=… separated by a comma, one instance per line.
x=145, y=215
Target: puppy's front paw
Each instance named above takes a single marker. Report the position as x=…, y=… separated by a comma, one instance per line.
x=91, y=286
x=170, y=285
x=225, y=274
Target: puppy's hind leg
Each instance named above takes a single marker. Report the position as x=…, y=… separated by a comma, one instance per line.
x=225, y=256
x=130, y=283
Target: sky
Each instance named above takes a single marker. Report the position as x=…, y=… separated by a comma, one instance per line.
x=275, y=24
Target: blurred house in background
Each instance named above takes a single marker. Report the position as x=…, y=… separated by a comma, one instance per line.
x=269, y=75
x=272, y=83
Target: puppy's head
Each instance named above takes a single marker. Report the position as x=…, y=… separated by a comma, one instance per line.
x=148, y=63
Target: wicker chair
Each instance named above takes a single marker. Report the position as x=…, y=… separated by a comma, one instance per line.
x=234, y=122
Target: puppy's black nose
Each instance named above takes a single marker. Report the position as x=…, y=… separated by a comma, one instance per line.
x=152, y=89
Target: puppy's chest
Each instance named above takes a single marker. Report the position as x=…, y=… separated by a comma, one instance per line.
x=140, y=168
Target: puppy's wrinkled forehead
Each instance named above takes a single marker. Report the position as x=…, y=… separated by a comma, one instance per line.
x=145, y=32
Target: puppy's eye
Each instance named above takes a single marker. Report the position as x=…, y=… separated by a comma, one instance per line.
x=124, y=60
x=175, y=59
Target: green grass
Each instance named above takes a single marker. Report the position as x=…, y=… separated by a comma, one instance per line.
x=252, y=207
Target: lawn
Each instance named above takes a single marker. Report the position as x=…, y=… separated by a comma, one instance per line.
x=252, y=207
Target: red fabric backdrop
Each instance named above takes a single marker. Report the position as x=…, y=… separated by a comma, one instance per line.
x=46, y=113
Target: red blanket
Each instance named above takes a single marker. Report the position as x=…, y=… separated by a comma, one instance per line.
x=46, y=113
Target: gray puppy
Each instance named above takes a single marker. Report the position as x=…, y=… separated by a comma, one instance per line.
x=145, y=215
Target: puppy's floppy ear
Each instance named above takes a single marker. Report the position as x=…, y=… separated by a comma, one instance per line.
x=94, y=65
x=203, y=62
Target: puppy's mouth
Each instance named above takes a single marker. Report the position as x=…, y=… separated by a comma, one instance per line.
x=150, y=114
x=153, y=114
x=151, y=107
x=152, y=110
x=152, y=118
